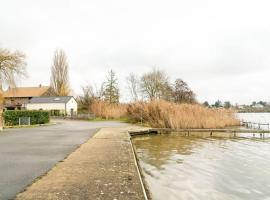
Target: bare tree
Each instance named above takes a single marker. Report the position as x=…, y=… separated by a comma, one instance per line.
x=59, y=74
x=154, y=84
x=182, y=93
x=12, y=66
x=85, y=100
x=111, y=91
x=99, y=91
x=133, y=86
x=90, y=94
x=167, y=92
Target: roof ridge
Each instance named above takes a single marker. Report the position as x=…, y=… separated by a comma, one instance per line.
x=29, y=87
x=52, y=96
x=26, y=91
x=51, y=99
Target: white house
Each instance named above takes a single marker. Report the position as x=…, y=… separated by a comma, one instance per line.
x=258, y=105
x=66, y=105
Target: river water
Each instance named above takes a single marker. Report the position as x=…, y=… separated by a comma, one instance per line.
x=185, y=168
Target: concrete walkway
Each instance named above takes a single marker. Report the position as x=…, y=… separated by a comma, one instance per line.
x=28, y=153
x=101, y=169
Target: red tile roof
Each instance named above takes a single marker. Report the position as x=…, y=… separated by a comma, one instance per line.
x=26, y=91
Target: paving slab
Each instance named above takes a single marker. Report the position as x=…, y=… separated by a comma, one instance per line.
x=103, y=169
x=27, y=153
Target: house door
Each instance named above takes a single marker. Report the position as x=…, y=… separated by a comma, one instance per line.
x=71, y=112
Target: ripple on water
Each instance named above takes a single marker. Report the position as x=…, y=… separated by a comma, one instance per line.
x=177, y=167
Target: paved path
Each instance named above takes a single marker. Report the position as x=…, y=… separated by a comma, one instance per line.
x=27, y=153
x=101, y=169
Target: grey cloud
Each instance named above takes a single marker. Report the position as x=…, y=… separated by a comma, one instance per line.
x=212, y=44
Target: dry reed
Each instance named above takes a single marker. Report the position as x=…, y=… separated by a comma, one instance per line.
x=105, y=110
x=162, y=114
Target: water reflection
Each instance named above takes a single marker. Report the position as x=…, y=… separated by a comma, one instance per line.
x=177, y=167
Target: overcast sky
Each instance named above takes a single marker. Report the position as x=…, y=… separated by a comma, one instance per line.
x=221, y=48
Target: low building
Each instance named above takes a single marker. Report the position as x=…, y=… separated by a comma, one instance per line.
x=66, y=105
x=258, y=105
x=17, y=98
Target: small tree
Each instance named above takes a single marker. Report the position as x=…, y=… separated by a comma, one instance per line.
x=59, y=75
x=253, y=103
x=111, y=91
x=182, y=93
x=167, y=91
x=218, y=104
x=206, y=104
x=227, y=104
x=133, y=86
x=85, y=100
x=154, y=84
x=12, y=65
x=89, y=96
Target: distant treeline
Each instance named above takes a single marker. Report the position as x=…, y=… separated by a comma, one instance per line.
x=260, y=106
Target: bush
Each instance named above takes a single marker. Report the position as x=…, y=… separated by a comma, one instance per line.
x=11, y=117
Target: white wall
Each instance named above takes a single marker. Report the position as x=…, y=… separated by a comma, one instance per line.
x=71, y=104
x=46, y=106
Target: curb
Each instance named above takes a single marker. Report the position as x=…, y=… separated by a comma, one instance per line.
x=138, y=169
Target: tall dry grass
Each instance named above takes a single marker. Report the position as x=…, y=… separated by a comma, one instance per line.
x=105, y=110
x=162, y=114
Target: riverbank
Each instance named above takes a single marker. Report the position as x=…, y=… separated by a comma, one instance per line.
x=102, y=168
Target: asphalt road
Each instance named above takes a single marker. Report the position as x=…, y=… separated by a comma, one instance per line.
x=28, y=153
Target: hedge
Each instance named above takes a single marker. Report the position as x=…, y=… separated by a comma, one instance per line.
x=11, y=117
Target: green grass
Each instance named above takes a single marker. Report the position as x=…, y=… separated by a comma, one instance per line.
x=99, y=119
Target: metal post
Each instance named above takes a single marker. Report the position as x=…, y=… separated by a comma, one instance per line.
x=141, y=118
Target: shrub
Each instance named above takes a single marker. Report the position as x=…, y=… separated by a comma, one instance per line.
x=11, y=117
x=163, y=114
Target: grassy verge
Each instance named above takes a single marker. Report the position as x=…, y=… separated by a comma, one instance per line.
x=28, y=126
